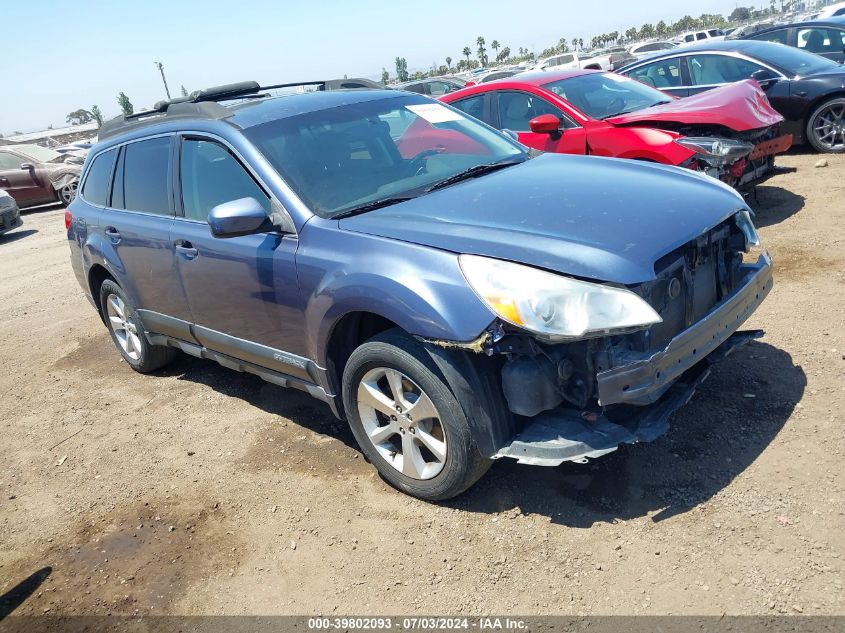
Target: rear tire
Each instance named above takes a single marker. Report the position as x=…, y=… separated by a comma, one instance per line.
x=826, y=127
x=126, y=331
x=419, y=440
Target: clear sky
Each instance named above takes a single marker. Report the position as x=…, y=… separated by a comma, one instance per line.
x=58, y=56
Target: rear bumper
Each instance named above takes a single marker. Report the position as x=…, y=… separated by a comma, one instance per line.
x=644, y=380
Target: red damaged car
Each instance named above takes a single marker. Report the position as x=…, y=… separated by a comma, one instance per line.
x=731, y=133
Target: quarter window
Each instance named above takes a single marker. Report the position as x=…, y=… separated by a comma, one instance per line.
x=141, y=183
x=710, y=70
x=96, y=187
x=211, y=175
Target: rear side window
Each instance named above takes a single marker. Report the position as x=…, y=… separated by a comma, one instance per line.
x=212, y=176
x=96, y=188
x=141, y=183
x=473, y=106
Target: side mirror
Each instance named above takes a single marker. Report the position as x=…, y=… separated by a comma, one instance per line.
x=765, y=78
x=27, y=166
x=238, y=217
x=546, y=124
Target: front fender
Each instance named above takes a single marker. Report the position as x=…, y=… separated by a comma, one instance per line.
x=420, y=289
x=639, y=143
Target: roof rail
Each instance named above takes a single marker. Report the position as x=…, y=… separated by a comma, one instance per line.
x=205, y=103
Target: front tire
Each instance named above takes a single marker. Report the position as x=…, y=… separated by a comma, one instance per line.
x=67, y=193
x=407, y=421
x=127, y=333
x=826, y=127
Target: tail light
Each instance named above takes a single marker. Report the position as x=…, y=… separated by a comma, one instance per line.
x=68, y=219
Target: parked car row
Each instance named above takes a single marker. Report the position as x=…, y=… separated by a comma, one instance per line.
x=454, y=295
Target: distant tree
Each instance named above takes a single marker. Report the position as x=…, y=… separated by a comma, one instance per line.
x=740, y=14
x=505, y=54
x=467, y=52
x=449, y=63
x=401, y=69
x=385, y=76
x=661, y=28
x=631, y=34
x=581, y=42
x=97, y=114
x=646, y=31
x=125, y=104
x=184, y=90
x=78, y=117
x=495, y=46
x=482, y=52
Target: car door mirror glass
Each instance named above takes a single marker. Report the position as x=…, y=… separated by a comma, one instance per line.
x=238, y=217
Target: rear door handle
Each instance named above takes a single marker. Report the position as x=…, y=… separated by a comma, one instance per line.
x=186, y=249
x=113, y=234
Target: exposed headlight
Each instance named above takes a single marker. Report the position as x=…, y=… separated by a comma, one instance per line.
x=720, y=149
x=558, y=308
x=746, y=225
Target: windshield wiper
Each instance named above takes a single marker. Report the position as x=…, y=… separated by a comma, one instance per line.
x=474, y=172
x=372, y=206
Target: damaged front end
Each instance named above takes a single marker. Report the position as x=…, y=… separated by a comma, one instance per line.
x=581, y=397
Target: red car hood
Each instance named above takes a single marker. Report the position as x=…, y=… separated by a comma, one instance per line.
x=741, y=106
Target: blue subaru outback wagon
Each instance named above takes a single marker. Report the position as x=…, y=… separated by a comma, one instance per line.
x=452, y=295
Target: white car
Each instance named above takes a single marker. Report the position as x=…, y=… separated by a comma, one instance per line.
x=830, y=11
x=10, y=215
x=707, y=35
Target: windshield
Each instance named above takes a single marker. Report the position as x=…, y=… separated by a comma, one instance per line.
x=603, y=95
x=794, y=61
x=343, y=158
x=37, y=153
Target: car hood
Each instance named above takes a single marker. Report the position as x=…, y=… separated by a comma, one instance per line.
x=598, y=218
x=741, y=106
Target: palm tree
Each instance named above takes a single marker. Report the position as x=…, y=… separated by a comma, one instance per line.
x=575, y=43
x=482, y=52
x=449, y=63
x=581, y=42
x=495, y=46
x=467, y=52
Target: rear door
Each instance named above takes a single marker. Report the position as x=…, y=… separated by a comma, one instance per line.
x=242, y=291
x=514, y=109
x=136, y=226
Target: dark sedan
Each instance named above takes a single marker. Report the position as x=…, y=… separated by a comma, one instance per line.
x=37, y=175
x=822, y=37
x=808, y=90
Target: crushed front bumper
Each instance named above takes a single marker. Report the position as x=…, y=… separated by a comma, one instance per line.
x=661, y=383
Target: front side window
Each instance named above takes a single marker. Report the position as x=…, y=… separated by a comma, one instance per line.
x=516, y=109
x=710, y=70
x=665, y=73
x=141, y=183
x=211, y=175
x=340, y=159
x=603, y=95
x=473, y=106
x=821, y=40
x=96, y=187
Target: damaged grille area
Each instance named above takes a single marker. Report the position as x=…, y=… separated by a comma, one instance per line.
x=691, y=280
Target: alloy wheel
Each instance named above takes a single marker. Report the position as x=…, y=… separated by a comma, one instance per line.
x=124, y=328
x=402, y=423
x=68, y=192
x=829, y=126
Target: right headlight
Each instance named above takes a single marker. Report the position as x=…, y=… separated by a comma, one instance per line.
x=716, y=149
x=558, y=308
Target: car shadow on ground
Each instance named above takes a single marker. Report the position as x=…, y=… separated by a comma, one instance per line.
x=14, y=236
x=731, y=419
x=292, y=404
x=18, y=594
x=773, y=205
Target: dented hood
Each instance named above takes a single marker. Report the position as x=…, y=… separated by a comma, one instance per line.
x=741, y=106
x=598, y=218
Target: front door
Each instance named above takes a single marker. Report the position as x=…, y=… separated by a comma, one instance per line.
x=24, y=185
x=516, y=109
x=242, y=291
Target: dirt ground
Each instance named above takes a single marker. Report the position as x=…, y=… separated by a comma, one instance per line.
x=203, y=491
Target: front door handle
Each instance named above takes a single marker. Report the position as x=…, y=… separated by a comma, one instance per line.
x=113, y=234
x=186, y=249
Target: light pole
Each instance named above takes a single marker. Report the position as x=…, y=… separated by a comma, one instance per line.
x=161, y=70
